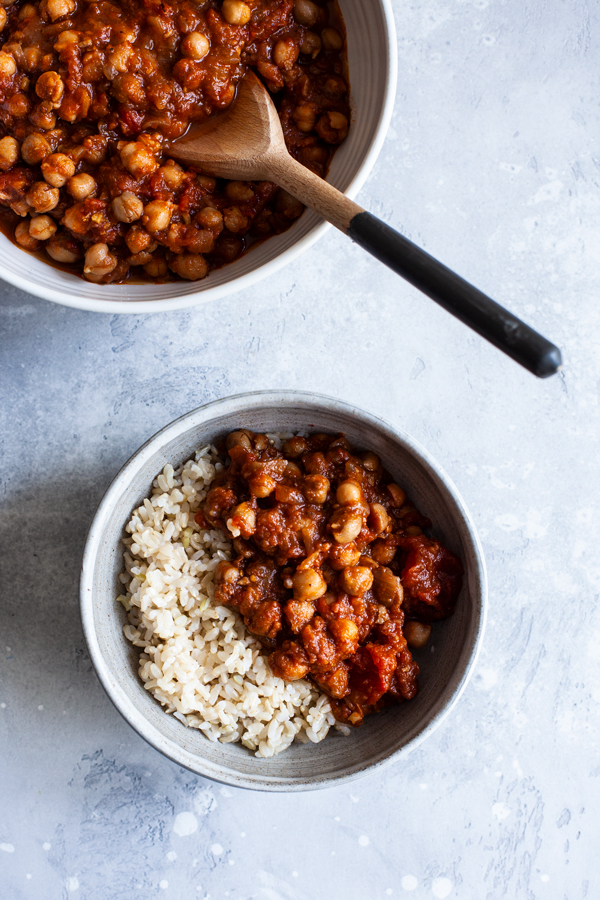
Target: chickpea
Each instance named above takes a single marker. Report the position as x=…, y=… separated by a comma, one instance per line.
x=35, y=148
x=298, y=614
x=292, y=470
x=345, y=634
x=414, y=530
x=355, y=580
x=9, y=152
x=99, y=261
x=311, y=44
x=64, y=39
x=316, y=488
x=128, y=208
x=288, y=206
x=383, y=551
x=51, y=87
x=63, y=249
x=157, y=215
x=234, y=219
x=238, y=191
x=81, y=186
x=397, y=494
x=57, y=169
x=3, y=17
x=140, y=259
x=285, y=53
x=18, y=105
x=75, y=219
x=349, y=493
x=332, y=39
x=417, y=634
x=191, y=266
x=211, y=219
x=57, y=9
x=239, y=439
x=378, y=518
x=295, y=446
x=6, y=2
x=308, y=585
x=242, y=521
x=173, y=175
x=306, y=12
x=42, y=227
x=332, y=127
x=235, y=12
x=195, y=45
x=21, y=208
x=31, y=55
x=24, y=239
x=157, y=268
x=262, y=485
x=206, y=183
x=371, y=462
x=289, y=661
x=8, y=66
x=42, y=116
x=138, y=239
x=346, y=525
x=42, y=197
x=305, y=116
x=119, y=59
x=387, y=587
x=343, y=555
x=138, y=160
x=227, y=573
x=314, y=463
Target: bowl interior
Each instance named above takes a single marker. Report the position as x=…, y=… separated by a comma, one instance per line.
x=444, y=664
x=372, y=66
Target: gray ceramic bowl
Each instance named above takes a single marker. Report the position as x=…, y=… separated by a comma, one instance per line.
x=384, y=737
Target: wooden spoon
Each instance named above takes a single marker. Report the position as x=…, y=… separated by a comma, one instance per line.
x=246, y=144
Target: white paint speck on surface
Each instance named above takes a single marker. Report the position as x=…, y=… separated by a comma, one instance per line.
x=242, y=834
x=389, y=891
x=185, y=824
x=423, y=786
x=501, y=811
x=8, y=848
x=408, y=882
x=41, y=706
x=216, y=850
x=2, y=705
x=72, y=884
x=171, y=856
x=294, y=874
x=232, y=862
x=364, y=840
x=46, y=845
x=544, y=878
x=28, y=876
x=336, y=819
x=354, y=799
x=164, y=884
x=441, y=887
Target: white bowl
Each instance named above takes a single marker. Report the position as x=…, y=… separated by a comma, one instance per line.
x=383, y=737
x=372, y=63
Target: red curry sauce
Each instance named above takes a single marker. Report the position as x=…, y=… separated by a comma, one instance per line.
x=332, y=569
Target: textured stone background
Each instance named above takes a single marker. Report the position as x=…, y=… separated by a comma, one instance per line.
x=492, y=163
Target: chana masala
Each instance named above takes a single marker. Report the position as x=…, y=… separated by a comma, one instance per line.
x=91, y=91
x=333, y=570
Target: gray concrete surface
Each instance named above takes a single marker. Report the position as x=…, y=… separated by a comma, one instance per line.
x=492, y=163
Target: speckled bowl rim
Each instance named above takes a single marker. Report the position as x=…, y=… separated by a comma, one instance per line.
x=203, y=415
x=264, y=270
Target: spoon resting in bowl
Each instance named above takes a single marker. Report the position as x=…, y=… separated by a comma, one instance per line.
x=246, y=143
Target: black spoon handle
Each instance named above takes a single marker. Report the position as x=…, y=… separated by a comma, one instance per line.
x=456, y=295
